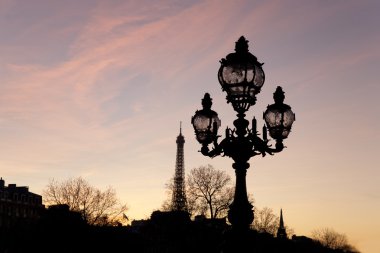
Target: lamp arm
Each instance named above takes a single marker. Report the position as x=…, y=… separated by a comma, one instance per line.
x=278, y=148
x=217, y=149
x=261, y=146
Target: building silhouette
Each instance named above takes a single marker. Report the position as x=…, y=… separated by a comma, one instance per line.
x=281, y=231
x=179, y=195
x=18, y=205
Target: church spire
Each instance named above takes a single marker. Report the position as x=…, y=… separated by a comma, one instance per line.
x=281, y=219
x=281, y=231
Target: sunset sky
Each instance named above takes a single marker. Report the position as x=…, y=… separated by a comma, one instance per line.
x=97, y=88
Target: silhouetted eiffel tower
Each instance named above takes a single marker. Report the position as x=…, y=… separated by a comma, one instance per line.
x=179, y=195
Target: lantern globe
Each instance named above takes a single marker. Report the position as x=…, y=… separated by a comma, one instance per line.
x=279, y=117
x=206, y=122
x=241, y=76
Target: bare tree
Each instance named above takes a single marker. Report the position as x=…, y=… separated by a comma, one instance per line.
x=96, y=207
x=167, y=204
x=266, y=221
x=209, y=190
x=333, y=240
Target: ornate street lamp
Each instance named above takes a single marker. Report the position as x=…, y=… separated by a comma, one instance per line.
x=242, y=77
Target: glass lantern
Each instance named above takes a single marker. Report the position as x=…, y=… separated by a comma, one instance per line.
x=206, y=122
x=279, y=117
x=241, y=76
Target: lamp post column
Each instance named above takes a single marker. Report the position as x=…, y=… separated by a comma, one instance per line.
x=240, y=214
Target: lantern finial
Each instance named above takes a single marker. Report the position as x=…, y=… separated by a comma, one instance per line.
x=241, y=46
x=279, y=95
x=206, y=102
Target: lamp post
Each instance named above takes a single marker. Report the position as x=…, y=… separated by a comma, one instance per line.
x=241, y=77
